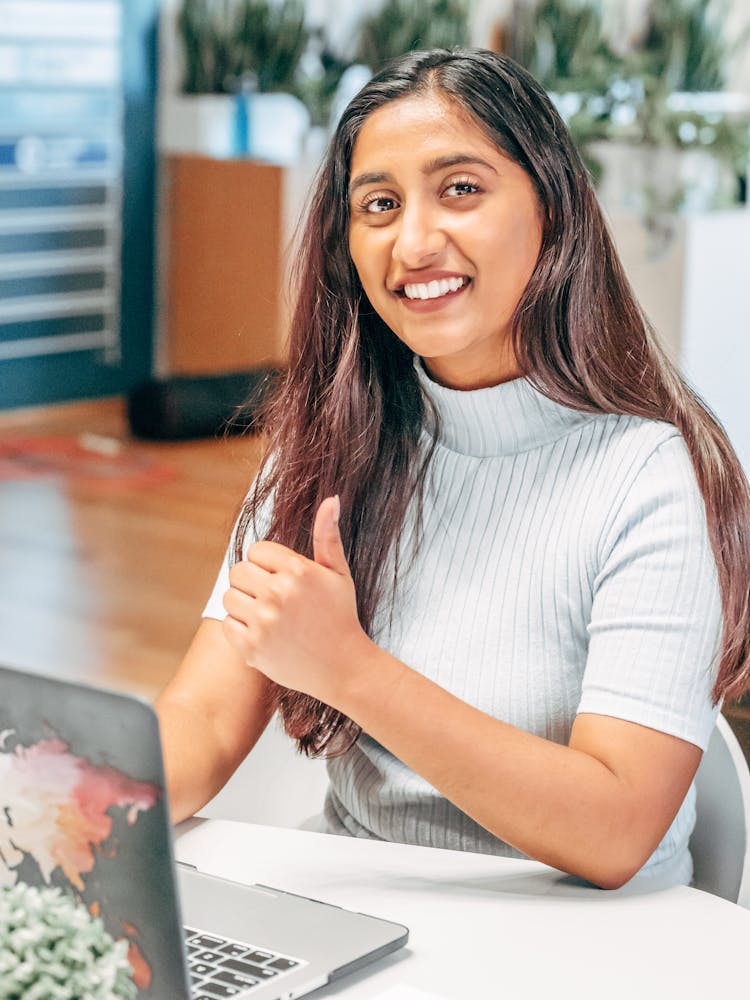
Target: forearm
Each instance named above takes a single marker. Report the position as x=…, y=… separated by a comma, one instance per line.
x=211, y=714
x=196, y=768
x=554, y=803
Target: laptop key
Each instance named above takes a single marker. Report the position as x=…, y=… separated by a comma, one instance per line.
x=209, y=956
x=282, y=964
x=259, y=956
x=206, y=941
x=248, y=969
x=202, y=996
x=233, y=950
x=214, y=989
x=235, y=979
x=201, y=969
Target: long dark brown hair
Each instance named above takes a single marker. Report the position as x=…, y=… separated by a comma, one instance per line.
x=347, y=416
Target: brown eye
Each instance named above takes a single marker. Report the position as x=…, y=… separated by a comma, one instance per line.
x=378, y=204
x=460, y=189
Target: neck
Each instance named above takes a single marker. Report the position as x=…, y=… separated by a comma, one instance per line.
x=468, y=377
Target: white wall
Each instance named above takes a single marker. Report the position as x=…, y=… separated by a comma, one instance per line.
x=694, y=288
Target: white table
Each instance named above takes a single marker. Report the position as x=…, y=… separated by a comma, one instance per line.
x=483, y=927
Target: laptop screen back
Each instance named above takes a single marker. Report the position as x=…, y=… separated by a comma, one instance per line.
x=82, y=807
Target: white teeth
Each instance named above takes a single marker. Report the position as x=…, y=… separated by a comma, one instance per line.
x=434, y=289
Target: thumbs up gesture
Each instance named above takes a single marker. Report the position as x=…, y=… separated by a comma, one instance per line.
x=295, y=619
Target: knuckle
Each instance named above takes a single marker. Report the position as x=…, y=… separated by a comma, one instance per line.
x=276, y=593
x=267, y=617
x=298, y=570
x=284, y=587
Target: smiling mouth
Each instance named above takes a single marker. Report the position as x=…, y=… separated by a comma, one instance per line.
x=437, y=289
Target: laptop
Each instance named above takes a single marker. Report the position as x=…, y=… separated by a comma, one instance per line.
x=83, y=807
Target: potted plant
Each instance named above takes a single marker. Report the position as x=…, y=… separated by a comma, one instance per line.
x=651, y=145
x=563, y=44
x=404, y=25
x=239, y=83
x=690, y=149
x=51, y=946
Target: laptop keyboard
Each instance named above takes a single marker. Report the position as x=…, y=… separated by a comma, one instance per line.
x=221, y=967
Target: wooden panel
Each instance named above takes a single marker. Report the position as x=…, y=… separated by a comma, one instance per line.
x=223, y=257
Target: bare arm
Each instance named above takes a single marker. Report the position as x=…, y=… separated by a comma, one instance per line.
x=211, y=715
x=597, y=808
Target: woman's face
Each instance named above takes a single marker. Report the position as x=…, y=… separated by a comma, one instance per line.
x=445, y=232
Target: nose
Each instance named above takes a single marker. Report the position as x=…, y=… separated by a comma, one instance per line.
x=419, y=238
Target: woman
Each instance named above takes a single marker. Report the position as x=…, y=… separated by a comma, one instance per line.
x=502, y=575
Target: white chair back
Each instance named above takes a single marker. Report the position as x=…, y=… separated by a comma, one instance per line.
x=720, y=843
x=274, y=786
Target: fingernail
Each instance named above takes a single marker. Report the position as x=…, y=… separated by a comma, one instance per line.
x=336, y=509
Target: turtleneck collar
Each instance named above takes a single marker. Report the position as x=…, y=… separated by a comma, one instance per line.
x=503, y=419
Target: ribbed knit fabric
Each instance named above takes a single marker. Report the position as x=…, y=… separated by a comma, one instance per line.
x=565, y=567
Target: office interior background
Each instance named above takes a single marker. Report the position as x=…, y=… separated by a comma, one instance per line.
x=148, y=200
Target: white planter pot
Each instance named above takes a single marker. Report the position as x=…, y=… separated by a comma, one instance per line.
x=207, y=124
x=642, y=179
x=279, y=124
x=197, y=123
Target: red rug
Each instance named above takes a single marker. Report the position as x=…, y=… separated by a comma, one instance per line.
x=87, y=457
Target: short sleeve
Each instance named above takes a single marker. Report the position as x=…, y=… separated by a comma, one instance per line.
x=656, y=620
x=254, y=532
x=215, y=606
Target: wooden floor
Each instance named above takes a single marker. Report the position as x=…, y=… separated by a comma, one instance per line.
x=104, y=581
x=107, y=583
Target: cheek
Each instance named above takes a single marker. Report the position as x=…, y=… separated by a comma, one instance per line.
x=518, y=248
x=368, y=261
x=359, y=259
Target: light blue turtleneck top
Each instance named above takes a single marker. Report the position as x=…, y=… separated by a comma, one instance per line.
x=564, y=567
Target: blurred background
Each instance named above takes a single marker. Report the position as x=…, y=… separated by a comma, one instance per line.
x=154, y=159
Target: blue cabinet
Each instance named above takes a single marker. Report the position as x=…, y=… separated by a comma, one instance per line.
x=77, y=96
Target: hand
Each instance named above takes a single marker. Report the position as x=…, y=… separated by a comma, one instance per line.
x=295, y=619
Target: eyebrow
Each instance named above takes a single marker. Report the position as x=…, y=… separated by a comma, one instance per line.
x=438, y=163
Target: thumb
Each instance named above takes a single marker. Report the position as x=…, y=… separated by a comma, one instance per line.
x=328, y=549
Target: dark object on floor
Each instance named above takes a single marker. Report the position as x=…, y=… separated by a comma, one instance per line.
x=194, y=406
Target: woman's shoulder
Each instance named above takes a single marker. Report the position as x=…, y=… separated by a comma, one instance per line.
x=635, y=460
x=631, y=441
x=645, y=465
